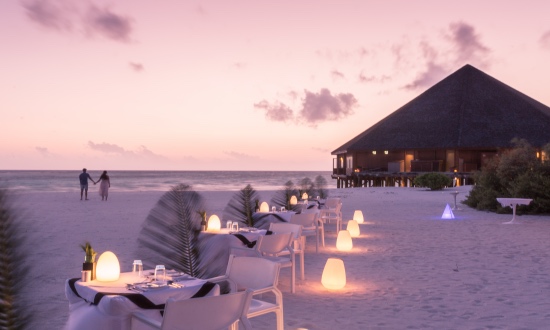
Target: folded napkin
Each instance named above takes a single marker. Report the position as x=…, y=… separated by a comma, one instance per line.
x=245, y=240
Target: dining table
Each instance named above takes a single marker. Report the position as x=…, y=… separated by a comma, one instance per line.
x=215, y=246
x=109, y=305
x=513, y=203
x=264, y=219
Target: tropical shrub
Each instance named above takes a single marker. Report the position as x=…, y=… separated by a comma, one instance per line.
x=433, y=180
x=515, y=173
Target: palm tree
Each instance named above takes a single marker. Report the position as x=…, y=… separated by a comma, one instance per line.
x=13, y=269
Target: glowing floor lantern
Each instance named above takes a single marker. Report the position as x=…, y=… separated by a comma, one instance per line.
x=353, y=228
x=334, y=274
x=448, y=213
x=358, y=216
x=264, y=207
x=293, y=200
x=305, y=196
x=214, y=223
x=108, y=268
x=344, y=241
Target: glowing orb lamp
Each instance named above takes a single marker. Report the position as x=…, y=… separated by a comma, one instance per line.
x=264, y=207
x=108, y=268
x=344, y=241
x=353, y=228
x=293, y=200
x=305, y=196
x=334, y=274
x=214, y=223
x=448, y=213
x=358, y=216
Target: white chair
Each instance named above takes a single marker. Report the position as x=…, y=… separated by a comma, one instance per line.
x=269, y=247
x=332, y=212
x=207, y=313
x=311, y=226
x=259, y=275
x=297, y=242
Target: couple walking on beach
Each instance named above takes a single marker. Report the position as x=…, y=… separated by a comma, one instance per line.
x=103, y=186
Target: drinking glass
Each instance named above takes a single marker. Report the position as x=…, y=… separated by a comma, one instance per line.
x=229, y=224
x=160, y=270
x=273, y=209
x=235, y=226
x=137, y=268
x=283, y=209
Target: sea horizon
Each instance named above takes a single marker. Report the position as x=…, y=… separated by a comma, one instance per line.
x=157, y=180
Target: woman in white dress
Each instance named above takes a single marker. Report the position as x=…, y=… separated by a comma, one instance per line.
x=104, y=186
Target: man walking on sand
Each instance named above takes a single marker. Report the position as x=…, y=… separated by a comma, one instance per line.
x=84, y=183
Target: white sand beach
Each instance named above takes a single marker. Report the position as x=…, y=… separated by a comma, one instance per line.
x=409, y=269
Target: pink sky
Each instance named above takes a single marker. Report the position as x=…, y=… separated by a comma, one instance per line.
x=238, y=85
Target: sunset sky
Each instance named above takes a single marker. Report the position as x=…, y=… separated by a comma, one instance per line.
x=238, y=85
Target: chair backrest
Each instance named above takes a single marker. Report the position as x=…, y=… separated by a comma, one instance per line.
x=208, y=313
x=274, y=243
x=332, y=203
x=285, y=227
x=305, y=220
x=252, y=273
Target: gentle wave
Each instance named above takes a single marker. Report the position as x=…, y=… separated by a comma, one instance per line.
x=67, y=181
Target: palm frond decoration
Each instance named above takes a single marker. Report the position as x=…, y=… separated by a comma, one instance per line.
x=14, y=313
x=241, y=206
x=169, y=235
x=321, y=186
x=282, y=197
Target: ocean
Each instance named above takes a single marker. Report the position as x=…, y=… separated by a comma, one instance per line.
x=67, y=181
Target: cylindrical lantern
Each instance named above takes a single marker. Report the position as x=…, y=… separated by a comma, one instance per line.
x=264, y=207
x=108, y=268
x=305, y=196
x=358, y=216
x=344, y=242
x=293, y=200
x=334, y=274
x=353, y=228
x=214, y=223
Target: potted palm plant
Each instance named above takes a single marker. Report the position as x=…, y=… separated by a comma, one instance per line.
x=89, y=259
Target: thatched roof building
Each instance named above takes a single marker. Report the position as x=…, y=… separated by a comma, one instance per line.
x=452, y=127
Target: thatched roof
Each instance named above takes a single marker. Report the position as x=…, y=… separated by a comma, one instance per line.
x=468, y=109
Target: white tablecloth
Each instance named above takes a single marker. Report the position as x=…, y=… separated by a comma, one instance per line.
x=114, y=311
x=215, y=247
x=263, y=219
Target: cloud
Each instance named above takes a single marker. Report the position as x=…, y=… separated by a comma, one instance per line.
x=464, y=47
x=336, y=75
x=316, y=108
x=114, y=150
x=49, y=14
x=43, y=151
x=66, y=16
x=467, y=43
x=108, y=24
x=323, y=106
x=363, y=78
x=545, y=40
x=431, y=75
x=137, y=67
x=240, y=155
x=106, y=148
x=276, y=112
